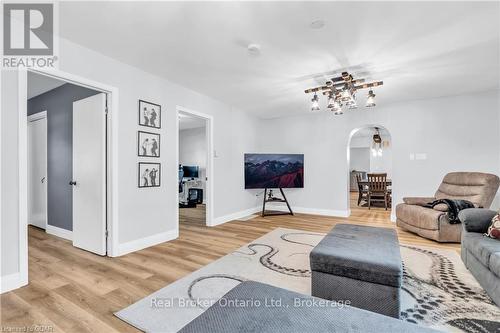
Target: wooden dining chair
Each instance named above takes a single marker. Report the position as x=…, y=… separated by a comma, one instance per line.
x=377, y=188
x=362, y=190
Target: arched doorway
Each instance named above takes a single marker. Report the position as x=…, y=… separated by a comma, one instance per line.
x=369, y=150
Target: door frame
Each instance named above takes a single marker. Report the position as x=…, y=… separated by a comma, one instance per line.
x=209, y=197
x=111, y=159
x=32, y=118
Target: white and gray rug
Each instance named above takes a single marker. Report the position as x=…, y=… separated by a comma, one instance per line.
x=438, y=291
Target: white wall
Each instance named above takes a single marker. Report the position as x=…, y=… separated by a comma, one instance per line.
x=193, y=151
x=10, y=173
x=360, y=159
x=135, y=223
x=457, y=134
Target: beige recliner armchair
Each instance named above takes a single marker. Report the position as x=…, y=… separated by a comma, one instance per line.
x=433, y=223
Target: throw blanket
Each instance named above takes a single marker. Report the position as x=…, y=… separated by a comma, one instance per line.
x=454, y=207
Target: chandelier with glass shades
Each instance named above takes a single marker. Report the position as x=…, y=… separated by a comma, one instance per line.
x=341, y=93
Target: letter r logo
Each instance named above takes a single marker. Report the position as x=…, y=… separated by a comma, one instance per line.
x=28, y=29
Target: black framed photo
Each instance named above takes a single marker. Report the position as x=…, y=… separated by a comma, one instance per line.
x=148, y=144
x=149, y=174
x=149, y=114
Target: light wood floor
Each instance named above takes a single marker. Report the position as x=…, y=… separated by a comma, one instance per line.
x=72, y=290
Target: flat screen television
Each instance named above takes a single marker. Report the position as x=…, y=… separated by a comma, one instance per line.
x=274, y=171
x=190, y=171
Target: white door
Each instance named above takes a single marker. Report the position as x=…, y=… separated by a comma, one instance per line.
x=89, y=174
x=37, y=170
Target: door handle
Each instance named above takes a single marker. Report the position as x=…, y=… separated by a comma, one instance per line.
x=42, y=180
x=73, y=183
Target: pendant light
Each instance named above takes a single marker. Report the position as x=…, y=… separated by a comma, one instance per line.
x=315, y=103
x=377, y=143
x=370, y=101
x=331, y=101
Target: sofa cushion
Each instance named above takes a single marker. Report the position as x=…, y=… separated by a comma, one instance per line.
x=247, y=308
x=359, y=252
x=481, y=247
x=476, y=219
x=421, y=217
x=495, y=263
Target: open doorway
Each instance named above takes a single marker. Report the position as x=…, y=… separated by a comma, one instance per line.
x=195, y=161
x=66, y=162
x=370, y=169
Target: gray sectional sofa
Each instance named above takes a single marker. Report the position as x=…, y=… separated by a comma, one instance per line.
x=248, y=308
x=481, y=254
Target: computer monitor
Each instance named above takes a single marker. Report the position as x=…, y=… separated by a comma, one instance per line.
x=190, y=171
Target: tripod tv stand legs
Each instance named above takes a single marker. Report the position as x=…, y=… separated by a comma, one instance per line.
x=268, y=197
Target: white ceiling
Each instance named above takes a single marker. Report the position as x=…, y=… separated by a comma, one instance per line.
x=419, y=49
x=39, y=84
x=188, y=122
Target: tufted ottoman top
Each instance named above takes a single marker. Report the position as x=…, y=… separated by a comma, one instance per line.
x=359, y=252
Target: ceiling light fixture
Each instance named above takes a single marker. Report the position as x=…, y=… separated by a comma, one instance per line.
x=331, y=101
x=377, y=143
x=370, y=101
x=341, y=91
x=315, y=103
x=253, y=49
x=317, y=24
x=351, y=105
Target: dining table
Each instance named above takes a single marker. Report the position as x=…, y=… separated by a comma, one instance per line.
x=365, y=184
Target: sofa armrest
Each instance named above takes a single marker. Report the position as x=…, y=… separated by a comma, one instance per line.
x=419, y=201
x=476, y=219
x=441, y=207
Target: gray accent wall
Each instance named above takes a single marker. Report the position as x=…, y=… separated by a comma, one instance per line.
x=59, y=106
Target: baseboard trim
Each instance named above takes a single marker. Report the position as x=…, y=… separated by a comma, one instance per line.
x=301, y=210
x=313, y=211
x=11, y=282
x=234, y=216
x=145, y=242
x=59, y=232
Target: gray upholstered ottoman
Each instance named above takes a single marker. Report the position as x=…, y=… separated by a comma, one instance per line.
x=253, y=307
x=359, y=264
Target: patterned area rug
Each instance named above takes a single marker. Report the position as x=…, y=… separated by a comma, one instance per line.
x=438, y=291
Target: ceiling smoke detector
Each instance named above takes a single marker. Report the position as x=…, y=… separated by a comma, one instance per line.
x=317, y=24
x=253, y=49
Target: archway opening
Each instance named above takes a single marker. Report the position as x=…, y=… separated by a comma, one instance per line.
x=369, y=153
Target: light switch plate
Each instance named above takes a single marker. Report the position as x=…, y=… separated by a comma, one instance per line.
x=421, y=156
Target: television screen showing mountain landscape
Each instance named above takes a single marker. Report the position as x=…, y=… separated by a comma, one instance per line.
x=274, y=170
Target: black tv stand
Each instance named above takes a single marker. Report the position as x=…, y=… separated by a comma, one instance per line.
x=268, y=197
